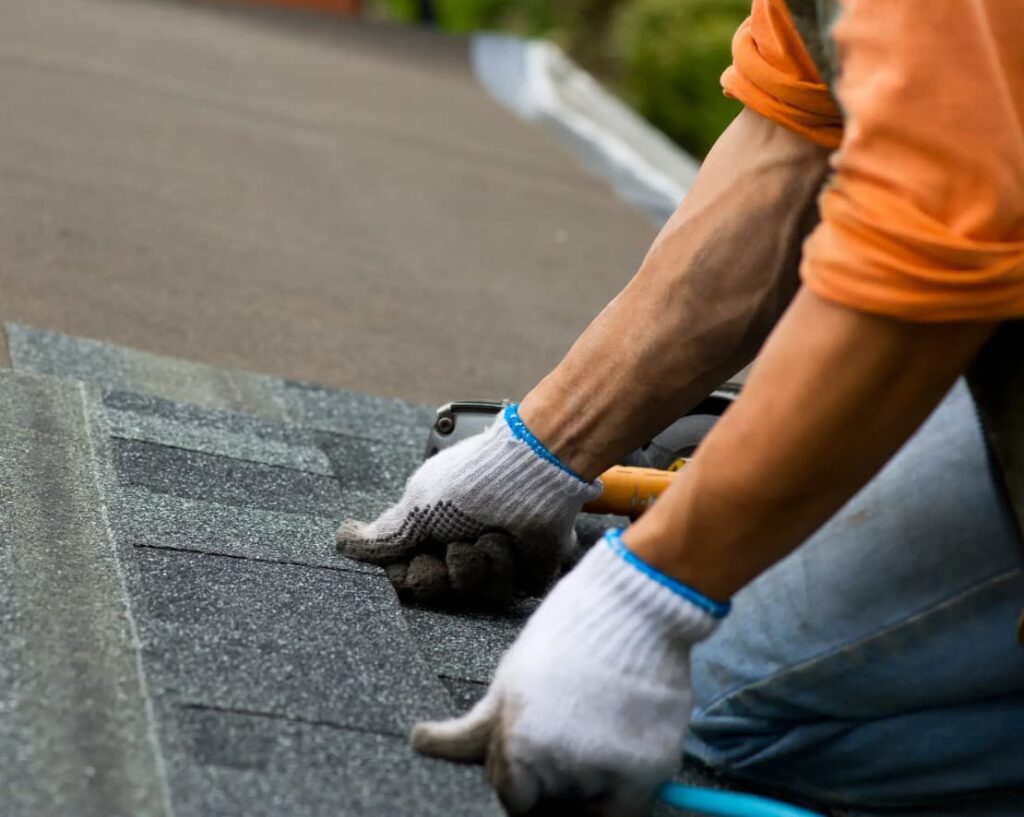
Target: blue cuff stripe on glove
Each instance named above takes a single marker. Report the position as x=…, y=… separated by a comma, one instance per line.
x=716, y=609
x=522, y=433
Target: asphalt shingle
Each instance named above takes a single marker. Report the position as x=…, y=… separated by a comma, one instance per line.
x=360, y=415
x=318, y=645
x=463, y=646
x=194, y=475
x=373, y=467
x=213, y=432
x=251, y=766
x=119, y=368
x=279, y=686
x=282, y=677
x=75, y=737
x=464, y=693
x=116, y=368
x=140, y=517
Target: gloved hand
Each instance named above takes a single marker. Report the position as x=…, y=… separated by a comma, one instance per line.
x=592, y=701
x=478, y=522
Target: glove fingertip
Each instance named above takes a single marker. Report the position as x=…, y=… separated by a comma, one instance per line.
x=425, y=580
x=397, y=574
x=445, y=740
x=348, y=532
x=464, y=738
x=355, y=540
x=483, y=573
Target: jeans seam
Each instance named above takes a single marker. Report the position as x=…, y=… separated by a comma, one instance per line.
x=888, y=629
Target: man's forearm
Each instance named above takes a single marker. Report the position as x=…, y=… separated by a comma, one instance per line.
x=710, y=289
x=832, y=397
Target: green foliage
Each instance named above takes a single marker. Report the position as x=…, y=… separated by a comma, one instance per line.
x=456, y=16
x=463, y=16
x=397, y=9
x=664, y=56
x=673, y=53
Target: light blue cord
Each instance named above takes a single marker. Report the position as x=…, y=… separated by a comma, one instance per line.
x=726, y=803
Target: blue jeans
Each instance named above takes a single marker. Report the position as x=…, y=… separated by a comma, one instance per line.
x=877, y=666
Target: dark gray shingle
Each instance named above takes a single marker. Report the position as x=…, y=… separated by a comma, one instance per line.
x=229, y=434
x=228, y=481
x=251, y=766
x=465, y=646
x=140, y=517
x=321, y=645
x=359, y=415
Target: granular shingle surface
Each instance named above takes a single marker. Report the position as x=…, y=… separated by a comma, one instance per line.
x=357, y=415
x=164, y=520
x=464, y=693
x=227, y=434
x=301, y=642
x=464, y=646
x=281, y=678
x=256, y=766
x=166, y=469
x=75, y=738
x=276, y=677
x=371, y=466
x=118, y=368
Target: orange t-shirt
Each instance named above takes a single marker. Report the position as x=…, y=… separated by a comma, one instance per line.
x=923, y=216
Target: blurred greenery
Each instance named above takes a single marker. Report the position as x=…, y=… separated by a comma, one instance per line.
x=664, y=57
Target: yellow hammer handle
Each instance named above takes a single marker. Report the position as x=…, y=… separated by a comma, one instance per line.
x=629, y=491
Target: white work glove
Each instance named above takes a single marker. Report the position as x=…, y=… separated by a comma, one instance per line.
x=592, y=702
x=490, y=517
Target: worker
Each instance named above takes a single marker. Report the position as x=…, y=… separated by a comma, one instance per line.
x=825, y=601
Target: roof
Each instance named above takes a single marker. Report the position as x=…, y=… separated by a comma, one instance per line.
x=321, y=199
x=187, y=640
x=276, y=676
x=216, y=190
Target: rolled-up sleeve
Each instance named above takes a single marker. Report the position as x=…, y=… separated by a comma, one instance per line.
x=772, y=74
x=923, y=218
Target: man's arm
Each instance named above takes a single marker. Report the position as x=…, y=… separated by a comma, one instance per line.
x=711, y=288
x=592, y=701
x=706, y=296
x=833, y=395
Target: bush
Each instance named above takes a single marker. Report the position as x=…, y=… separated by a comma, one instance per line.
x=664, y=56
x=464, y=16
x=672, y=54
x=458, y=16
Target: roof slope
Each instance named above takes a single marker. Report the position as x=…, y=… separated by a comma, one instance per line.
x=215, y=654
x=281, y=677
x=273, y=190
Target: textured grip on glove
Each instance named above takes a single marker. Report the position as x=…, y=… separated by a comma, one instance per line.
x=479, y=523
x=480, y=574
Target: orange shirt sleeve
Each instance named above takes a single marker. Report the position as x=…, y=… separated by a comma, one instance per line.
x=773, y=74
x=923, y=218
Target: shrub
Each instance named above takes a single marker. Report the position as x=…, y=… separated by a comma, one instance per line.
x=664, y=56
x=672, y=54
x=457, y=16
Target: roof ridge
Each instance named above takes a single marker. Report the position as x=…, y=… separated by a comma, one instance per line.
x=70, y=636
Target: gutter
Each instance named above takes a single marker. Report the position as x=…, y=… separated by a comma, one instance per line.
x=536, y=81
